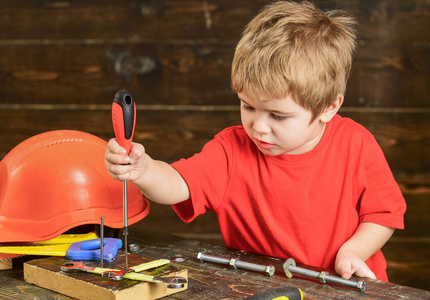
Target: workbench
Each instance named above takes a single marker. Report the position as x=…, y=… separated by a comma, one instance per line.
x=214, y=281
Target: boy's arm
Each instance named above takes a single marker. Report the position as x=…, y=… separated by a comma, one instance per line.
x=366, y=241
x=161, y=183
x=157, y=180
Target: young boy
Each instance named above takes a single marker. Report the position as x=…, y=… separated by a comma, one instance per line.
x=296, y=180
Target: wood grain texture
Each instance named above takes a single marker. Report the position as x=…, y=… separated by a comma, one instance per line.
x=171, y=134
x=194, y=73
x=46, y=273
x=213, y=281
x=169, y=19
x=209, y=280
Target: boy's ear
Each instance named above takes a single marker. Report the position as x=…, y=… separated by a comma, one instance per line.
x=332, y=109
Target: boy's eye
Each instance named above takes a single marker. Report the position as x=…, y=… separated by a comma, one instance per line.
x=247, y=107
x=277, y=117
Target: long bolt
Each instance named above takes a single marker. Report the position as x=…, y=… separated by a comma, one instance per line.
x=290, y=269
x=102, y=224
x=236, y=263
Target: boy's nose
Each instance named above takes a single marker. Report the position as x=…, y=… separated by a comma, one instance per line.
x=261, y=126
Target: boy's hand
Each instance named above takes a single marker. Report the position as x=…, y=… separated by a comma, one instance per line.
x=157, y=180
x=365, y=242
x=121, y=166
x=349, y=263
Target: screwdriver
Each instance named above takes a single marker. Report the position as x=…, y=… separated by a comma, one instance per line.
x=124, y=121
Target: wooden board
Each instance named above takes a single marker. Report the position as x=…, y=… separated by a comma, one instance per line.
x=46, y=273
x=6, y=260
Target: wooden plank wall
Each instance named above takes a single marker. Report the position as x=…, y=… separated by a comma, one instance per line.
x=62, y=61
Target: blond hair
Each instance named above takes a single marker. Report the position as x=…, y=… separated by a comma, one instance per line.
x=295, y=49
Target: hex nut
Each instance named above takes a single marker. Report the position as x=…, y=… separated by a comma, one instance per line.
x=270, y=270
x=134, y=247
x=322, y=277
x=361, y=285
x=233, y=263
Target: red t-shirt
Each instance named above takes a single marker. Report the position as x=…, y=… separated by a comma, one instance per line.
x=300, y=206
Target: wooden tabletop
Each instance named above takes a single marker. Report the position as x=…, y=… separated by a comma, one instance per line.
x=214, y=281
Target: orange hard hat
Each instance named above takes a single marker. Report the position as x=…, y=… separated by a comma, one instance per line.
x=56, y=181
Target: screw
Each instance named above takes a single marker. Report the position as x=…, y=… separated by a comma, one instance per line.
x=101, y=240
x=236, y=263
x=290, y=269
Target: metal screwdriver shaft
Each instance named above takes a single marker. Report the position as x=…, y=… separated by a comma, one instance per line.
x=124, y=121
x=125, y=216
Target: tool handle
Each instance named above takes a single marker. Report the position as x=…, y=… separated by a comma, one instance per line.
x=51, y=250
x=68, y=238
x=291, y=293
x=90, y=249
x=150, y=265
x=140, y=277
x=100, y=271
x=124, y=118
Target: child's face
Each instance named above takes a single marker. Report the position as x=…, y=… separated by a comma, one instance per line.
x=280, y=126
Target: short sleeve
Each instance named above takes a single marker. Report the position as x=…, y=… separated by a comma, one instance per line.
x=381, y=201
x=207, y=174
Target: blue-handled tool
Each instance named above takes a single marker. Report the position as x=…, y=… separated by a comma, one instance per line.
x=82, y=250
x=90, y=250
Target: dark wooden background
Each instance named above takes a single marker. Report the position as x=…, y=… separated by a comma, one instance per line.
x=62, y=61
